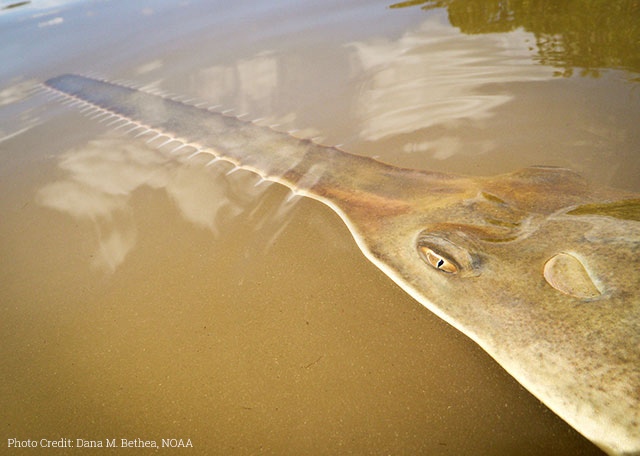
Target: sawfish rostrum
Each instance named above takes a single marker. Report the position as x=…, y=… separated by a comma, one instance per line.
x=541, y=269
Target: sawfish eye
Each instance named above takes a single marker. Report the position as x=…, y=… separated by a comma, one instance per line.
x=438, y=261
x=450, y=250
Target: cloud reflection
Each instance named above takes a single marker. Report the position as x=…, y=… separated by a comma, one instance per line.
x=201, y=196
x=16, y=92
x=149, y=66
x=250, y=84
x=433, y=75
x=101, y=177
x=55, y=21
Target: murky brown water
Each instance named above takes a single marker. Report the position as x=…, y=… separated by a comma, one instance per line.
x=154, y=298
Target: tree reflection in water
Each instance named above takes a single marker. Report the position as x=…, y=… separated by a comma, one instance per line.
x=588, y=34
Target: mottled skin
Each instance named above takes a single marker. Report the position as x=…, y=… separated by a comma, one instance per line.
x=580, y=356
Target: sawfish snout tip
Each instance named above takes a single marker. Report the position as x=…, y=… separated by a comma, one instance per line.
x=60, y=79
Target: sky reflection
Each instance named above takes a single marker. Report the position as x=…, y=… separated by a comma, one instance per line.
x=431, y=75
x=101, y=177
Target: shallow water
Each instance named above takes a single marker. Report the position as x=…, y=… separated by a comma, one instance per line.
x=150, y=297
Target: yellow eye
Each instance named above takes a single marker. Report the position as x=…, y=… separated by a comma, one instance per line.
x=438, y=261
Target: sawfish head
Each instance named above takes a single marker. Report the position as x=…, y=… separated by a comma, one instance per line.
x=539, y=269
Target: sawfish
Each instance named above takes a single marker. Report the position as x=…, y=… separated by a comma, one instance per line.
x=538, y=267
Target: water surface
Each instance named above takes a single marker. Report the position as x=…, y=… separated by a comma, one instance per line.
x=145, y=296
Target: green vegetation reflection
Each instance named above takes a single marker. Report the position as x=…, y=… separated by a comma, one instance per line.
x=586, y=34
x=15, y=5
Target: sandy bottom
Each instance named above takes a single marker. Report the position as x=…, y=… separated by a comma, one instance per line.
x=145, y=322
x=143, y=297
